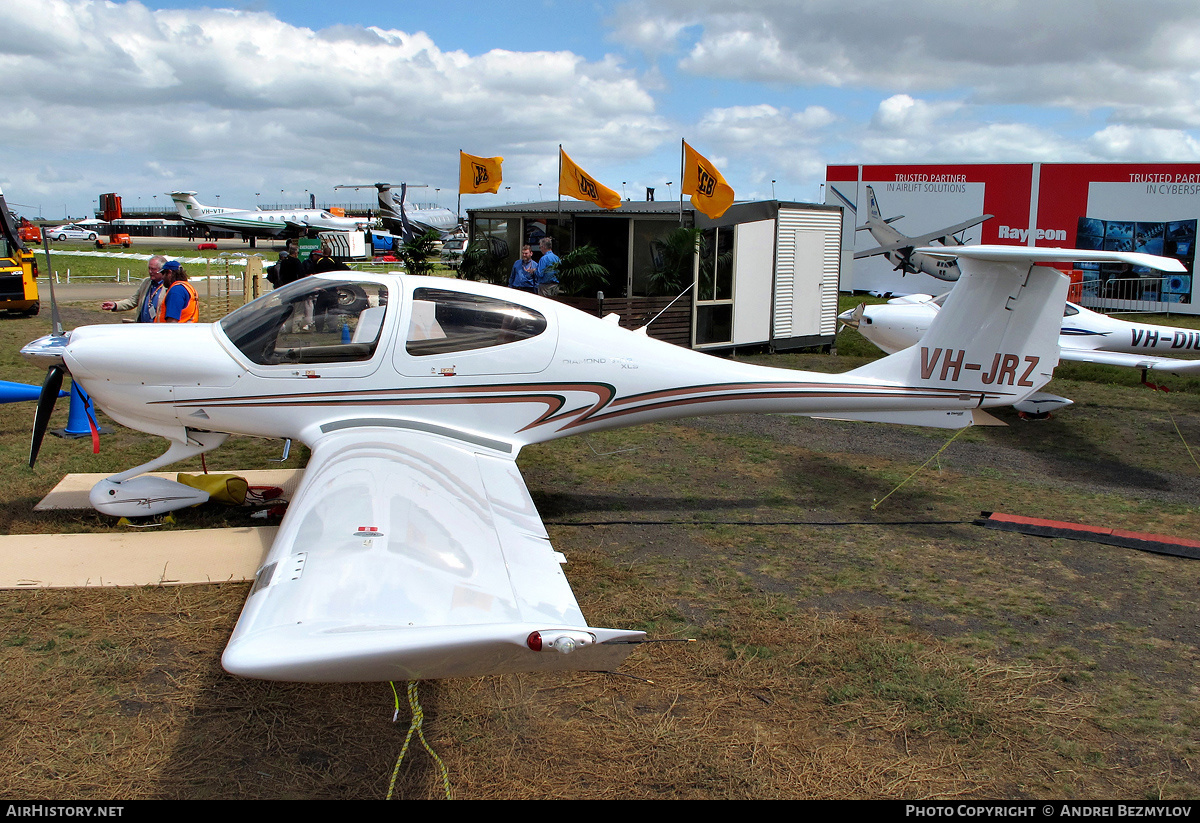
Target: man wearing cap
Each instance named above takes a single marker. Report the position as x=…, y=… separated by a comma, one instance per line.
x=180, y=303
x=146, y=298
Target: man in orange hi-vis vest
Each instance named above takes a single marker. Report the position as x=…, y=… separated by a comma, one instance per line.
x=180, y=303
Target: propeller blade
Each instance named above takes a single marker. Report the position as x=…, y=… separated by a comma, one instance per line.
x=45, y=407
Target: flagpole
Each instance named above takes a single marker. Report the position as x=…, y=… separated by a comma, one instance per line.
x=559, y=185
x=681, y=155
x=458, y=209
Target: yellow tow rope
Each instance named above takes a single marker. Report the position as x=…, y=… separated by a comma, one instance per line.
x=418, y=720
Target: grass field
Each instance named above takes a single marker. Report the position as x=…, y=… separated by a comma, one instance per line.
x=843, y=650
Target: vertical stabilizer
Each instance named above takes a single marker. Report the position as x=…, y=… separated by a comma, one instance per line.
x=186, y=204
x=996, y=337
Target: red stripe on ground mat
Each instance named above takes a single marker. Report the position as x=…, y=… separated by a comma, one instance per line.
x=1142, y=541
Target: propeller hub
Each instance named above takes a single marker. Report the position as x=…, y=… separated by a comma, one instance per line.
x=47, y=351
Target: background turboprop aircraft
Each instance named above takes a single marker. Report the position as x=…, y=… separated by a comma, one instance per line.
x=403, y=219
x=900, y=249
x=255, y=223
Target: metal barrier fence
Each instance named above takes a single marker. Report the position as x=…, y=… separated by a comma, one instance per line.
x=1136, y=294
x=227, y=285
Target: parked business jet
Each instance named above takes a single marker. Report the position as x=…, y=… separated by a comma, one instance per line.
x=902, y=250
x=256, y=223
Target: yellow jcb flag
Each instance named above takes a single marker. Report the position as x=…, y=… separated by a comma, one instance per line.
x=710, y=193
x=575, y=182
x=478, y=175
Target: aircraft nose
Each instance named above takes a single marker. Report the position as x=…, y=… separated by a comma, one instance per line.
x=853, y=317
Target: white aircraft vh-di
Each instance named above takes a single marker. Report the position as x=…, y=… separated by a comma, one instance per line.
x=256, y=223
x=904, y=252
x=412, y=548
x=1084, y=335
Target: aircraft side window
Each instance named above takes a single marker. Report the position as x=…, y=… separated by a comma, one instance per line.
x=312, y=320
x=1069, y=310
x=445, y=321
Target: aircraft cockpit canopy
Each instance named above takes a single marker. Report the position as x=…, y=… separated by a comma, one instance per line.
x=313, y=320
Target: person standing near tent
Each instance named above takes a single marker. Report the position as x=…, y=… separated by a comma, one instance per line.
x=148, y=294
x=547, y=269
x=180, y=303
x=524, y=272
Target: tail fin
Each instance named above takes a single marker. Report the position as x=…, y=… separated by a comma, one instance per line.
x=996, y=337
x=186, y=203
x=873, y=212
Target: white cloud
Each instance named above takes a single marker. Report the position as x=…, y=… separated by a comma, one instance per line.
x=1139, y=58
x=1139, y=143
x=902, y=113
x=235, y=101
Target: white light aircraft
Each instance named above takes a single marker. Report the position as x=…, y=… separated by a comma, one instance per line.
x=404, y=219
x=904, y=252
x=1084, y=335
x=256, y=223
x=412, y=549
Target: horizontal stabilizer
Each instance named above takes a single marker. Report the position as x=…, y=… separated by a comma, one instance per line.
x=1036, y=254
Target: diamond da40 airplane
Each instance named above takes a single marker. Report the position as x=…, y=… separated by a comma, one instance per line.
x=257, y=223
x=412, y=549
x=1085, y=336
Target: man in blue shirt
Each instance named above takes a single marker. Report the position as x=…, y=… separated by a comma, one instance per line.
x=524, y=272
x=547, y=270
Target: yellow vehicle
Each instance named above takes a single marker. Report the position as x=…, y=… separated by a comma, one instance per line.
x=18, y=269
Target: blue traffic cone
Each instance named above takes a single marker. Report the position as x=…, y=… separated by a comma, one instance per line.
x=17, y=392
x=77, y=418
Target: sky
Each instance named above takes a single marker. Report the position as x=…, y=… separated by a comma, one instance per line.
x=256, y=102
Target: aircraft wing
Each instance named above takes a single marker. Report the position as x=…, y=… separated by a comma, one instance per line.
x=298, y=227
x=1132, y=361
x=936, y=236
x=884, y=249
x=406, y=555
x=924, y=239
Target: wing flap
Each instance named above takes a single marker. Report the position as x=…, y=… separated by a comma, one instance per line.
x=404, y=556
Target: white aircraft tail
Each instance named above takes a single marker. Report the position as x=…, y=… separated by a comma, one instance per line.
x=186, y=203
x=996, y=337
x=873, y=212
x=874, y=217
